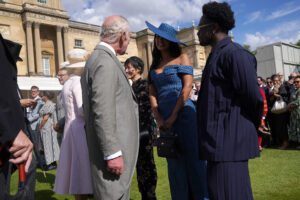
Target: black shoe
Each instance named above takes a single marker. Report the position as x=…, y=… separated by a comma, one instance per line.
x=52, y=166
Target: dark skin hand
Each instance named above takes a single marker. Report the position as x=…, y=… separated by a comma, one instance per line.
x=55, y=127
x=187, y=86
x=45, y=118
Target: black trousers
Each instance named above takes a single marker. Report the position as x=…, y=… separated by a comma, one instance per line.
x=146, y=169
x=266, y=139
x=279, y=128
x=5, y=173
x=27, y=193
x=229, y=181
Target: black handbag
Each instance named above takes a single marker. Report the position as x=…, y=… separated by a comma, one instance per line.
x=168, y=145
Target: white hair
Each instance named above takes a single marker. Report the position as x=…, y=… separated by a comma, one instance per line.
x=111, y=32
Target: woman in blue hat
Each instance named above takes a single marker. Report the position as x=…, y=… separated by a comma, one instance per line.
x=170, y=83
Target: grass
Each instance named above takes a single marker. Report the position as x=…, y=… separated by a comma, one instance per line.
x=274, y=176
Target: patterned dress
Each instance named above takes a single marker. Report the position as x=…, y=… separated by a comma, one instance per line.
x=187, y=173
x=146, y=169
x=48, y=134
x=295, y=116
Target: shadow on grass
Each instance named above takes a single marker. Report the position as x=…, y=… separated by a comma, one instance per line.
x=50, y=178
x=45, y=195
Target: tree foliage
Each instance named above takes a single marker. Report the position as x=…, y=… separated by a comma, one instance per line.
x=248, y=47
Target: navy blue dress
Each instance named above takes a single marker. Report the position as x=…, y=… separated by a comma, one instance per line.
x=187, y=170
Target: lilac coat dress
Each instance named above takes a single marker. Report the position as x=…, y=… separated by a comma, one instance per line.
x=73, y=174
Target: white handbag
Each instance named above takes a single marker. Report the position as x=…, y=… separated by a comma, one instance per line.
x=279, y=106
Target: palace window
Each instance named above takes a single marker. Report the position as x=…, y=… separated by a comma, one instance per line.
x=46, y=66
x=42, y=1
x=78, y=43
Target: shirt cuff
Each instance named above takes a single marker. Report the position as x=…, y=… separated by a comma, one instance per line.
x=115, y=155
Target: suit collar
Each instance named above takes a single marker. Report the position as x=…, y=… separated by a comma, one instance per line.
x=212, y=58
x=222, y=44
x=116, y=60
x=106, y=49
x=114, y=57
x=108, y=46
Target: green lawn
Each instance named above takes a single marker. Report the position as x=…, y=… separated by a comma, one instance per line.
x=274, y=176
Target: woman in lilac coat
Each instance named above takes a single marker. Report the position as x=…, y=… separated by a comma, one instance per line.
x=73, y=174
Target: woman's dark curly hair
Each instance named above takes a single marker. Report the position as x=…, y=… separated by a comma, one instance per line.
x=175, y=51
x=136, y=62
x=49, y=94
x=219, y=13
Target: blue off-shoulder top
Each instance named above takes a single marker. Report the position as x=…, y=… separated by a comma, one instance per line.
x=168, y=85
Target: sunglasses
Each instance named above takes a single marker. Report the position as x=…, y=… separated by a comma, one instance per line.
x=204, y=25
x=296, y=81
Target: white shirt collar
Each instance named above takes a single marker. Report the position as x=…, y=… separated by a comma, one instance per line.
x=108, y=46
x=37, y=97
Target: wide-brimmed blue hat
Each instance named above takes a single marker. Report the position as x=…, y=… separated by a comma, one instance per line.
x=165, y=31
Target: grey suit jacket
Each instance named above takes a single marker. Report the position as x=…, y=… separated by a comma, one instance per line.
x=60, y=112
x=34, y=114
x=60, y=115
x=111, y=115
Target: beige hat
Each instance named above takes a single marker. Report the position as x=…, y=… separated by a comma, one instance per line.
x=76, y=65
x=63, y=64
x=77, y=58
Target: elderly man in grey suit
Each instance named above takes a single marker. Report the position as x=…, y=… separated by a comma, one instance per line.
x=111, y=114
x=62, y=76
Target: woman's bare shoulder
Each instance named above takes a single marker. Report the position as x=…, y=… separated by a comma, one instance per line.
x=184, y=59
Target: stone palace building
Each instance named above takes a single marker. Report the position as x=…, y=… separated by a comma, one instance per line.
x=47, y=34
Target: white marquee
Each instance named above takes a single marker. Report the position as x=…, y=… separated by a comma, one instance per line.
x=25, y=83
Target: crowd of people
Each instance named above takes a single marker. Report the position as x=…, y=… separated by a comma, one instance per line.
x=101, y=126
x=282, y=119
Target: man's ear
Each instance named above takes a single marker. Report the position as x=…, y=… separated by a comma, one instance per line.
x=122, y=38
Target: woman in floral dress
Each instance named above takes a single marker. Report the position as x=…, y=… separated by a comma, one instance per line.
x=146, y=169
x=294, y=107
